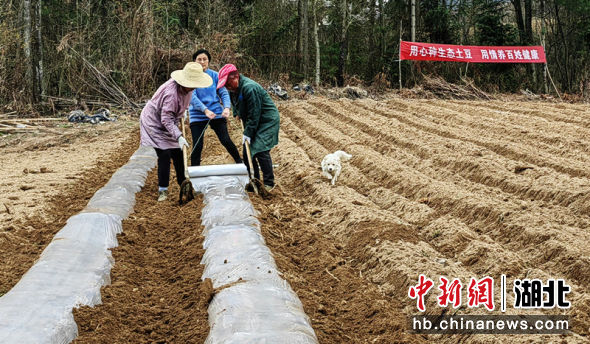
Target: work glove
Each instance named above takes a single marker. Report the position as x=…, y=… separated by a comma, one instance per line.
x=245, y=139
x=210, y=114
x=182, y=142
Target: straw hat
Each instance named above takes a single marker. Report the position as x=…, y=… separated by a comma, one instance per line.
x=192, y=76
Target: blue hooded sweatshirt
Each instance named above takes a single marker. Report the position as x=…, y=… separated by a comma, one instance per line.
x=208, y=98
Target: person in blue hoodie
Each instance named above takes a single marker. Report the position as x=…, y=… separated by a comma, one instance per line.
x=210, y=107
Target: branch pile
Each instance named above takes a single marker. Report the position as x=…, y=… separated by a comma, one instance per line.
x=108, y=88
x=102, y=84
x=436, y=87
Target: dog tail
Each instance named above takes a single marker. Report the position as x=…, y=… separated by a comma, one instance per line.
x=342, y=155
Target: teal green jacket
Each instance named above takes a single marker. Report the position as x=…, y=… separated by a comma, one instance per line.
x=259, y=114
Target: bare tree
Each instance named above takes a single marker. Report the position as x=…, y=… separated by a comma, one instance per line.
x=31, y=31
x=373, y=53
x=382, y=31
x=524, y=20
x=303, y=9
x=543, y=32
x=37, y=54
x=316, y=42
x=343, y=42
x=26, y=11
x=566, y=71
x=413, y=20
x=528, y=21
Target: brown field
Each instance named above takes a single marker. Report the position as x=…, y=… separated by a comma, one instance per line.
x=443, y=188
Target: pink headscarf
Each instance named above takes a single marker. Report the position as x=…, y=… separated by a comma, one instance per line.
x=223, y=74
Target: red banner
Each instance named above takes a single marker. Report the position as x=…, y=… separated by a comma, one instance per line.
x=471, y=53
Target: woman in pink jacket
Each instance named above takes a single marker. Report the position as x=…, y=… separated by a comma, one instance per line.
x=160, y=117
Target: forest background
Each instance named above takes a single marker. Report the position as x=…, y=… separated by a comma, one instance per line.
x=105, y=50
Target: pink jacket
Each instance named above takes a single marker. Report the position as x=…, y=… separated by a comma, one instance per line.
x=158, y=123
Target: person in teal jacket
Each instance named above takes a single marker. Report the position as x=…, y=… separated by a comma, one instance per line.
x=252, y=104
x=210, y=107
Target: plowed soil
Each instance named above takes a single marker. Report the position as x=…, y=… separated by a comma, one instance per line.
x=443, y=188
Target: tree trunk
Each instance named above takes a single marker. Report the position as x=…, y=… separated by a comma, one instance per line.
x=566, y=84
x=343, y=43
x=382, y=47
x=303, y=41
x=466, y=20
x=37, y=54
x=27, y=44
x=528, y=26
x=373, y=52
x=32, y=48
x=299, y=35
x=528, y=21
x=519, y=20
x=305, y=38
x=543, y=31
x=185, y=14
x=208, y=16
x=413, y=20
x=317, y=43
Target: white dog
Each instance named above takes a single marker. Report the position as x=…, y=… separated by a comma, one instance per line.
x=331, y=166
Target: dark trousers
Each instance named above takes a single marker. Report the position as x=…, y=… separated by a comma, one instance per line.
x=219, y=125
x=164, y=156
x=264, y=160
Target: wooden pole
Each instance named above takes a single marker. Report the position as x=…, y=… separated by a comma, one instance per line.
x=413, y=20
x=400, y=55
x=552, y=83
x=317, y=44
x=545, y=70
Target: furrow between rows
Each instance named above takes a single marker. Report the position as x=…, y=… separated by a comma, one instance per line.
x=564, y=139
x=566, y=113
x=393, y=263
x=468, y=161
x=510, y=150
x=498, y=219
x=452, y=238
x=410, y=211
